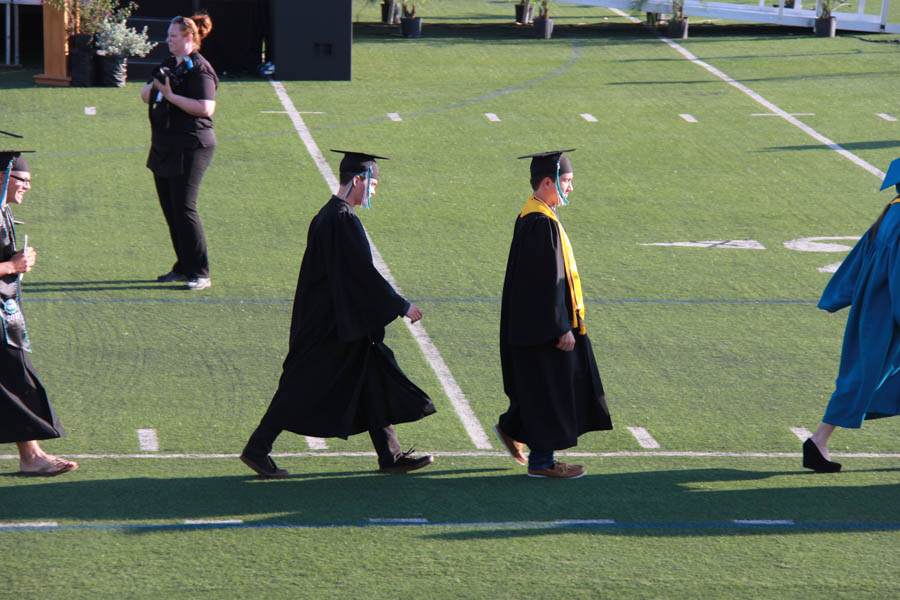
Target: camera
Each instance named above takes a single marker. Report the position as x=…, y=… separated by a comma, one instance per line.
x=176, y=77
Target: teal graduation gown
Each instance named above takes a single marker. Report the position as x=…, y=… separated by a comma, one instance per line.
x=868, y=381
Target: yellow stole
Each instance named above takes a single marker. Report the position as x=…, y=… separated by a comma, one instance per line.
x=533, y=205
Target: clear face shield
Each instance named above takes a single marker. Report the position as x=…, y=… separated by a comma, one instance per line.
x=367, y=196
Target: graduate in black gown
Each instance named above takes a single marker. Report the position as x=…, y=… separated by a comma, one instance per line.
x=26, y=415
x=549, y=371
x=339, y=377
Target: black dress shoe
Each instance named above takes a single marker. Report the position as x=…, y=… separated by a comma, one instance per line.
x=407, y=463
x=813, y=459
x=265, y=466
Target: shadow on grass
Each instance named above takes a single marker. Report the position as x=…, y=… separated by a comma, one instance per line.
x=491, y=495
x=869, y=145
x=43, y=287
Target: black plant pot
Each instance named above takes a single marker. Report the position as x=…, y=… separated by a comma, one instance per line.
x=678, y=28
x=81, y=60
x=411, y=27
x=387, y=12
x=543, y=28
x=825, y=27
x=524, y=14
x=112, y=70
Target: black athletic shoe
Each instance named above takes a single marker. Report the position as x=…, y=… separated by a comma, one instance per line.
x=264, y=466
x=407, y=463
x=813, y=459
x=172, y=276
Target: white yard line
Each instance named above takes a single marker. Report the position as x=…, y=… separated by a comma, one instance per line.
x=147, y=440
x=30, y=524
x=768, y=105
x=802, y=433
x=213, y=521
x=643, y=437
x=316, y=443
x=886, y=117
x=476, y=454
x=762, y=521
x=434, y=358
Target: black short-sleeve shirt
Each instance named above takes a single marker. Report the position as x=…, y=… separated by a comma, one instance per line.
x=172, y=127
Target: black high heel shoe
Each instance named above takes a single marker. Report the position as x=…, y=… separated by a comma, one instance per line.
x=813, y=459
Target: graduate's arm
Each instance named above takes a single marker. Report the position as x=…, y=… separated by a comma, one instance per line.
x=364, y=300
x=838, y=293
x=20, y=262
x=537, y=295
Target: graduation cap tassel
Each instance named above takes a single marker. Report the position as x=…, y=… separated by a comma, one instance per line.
x=562, y=197
x=6, y=182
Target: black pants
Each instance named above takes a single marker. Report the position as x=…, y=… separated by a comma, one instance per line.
x=385, y=441
x=178, y=199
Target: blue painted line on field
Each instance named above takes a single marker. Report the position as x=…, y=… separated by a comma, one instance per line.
x=415, y=300
x=602, y=525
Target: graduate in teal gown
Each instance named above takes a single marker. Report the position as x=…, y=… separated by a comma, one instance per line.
x=868, y=382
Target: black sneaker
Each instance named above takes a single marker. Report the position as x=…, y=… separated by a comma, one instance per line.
x=407, y=463
x=264, y=466
x=172, y=276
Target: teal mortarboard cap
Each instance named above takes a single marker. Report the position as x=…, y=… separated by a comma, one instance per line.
x=893, y=176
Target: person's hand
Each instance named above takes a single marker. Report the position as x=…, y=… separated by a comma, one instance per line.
x=414, y=313
x=165, y=87
x=566, y=342
x=23, y=260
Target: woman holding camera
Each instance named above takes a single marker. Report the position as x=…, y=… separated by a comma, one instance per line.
x=182, y=100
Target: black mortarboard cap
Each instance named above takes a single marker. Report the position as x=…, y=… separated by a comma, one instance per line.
x=892, y=178
x=19, y=162
x=359, y=162
x=544, y=164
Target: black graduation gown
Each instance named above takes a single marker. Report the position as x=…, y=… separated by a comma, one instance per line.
x=25, y=411
x=554, y=396
x=339, y=377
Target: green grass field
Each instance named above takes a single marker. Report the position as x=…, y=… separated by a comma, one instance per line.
x=717, y=352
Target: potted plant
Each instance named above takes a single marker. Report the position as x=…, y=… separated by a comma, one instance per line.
x=524, y=12
x=410, y=24
x=825, y=24
x=84, y=18
x=115, y=42
x=543, y=24
x=678, y=24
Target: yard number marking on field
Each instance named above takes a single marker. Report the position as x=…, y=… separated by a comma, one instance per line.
x=316, y=443
x=886, y=116
x=147, y=440
x=687, y=117
x=432, y=355
x=740, y=244
x=394, y=117
x=589, y=117
x=643, y=437
x=492, y=117
x=802, y=433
